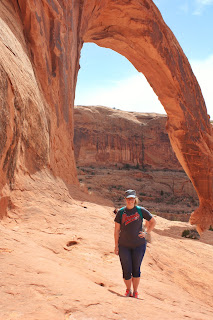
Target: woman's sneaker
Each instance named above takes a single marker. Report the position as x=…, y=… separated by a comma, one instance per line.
x=135, y=294
x=128, y=293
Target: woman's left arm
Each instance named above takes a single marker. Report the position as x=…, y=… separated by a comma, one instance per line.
x=150, y=225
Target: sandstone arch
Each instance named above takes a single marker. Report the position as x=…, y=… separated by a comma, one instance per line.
x=54, y=32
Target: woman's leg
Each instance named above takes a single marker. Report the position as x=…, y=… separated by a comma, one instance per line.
x=126, y=264
x=128, y=283
x=137, y=257
x=135, y=283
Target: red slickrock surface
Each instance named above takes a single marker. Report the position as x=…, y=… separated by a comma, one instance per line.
x=57, y=261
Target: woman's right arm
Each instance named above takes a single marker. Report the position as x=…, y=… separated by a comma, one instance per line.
x=116, y=236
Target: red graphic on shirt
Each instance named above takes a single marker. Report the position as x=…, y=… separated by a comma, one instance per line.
x=128, y=219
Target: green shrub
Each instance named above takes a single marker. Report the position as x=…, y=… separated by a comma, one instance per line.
x=127, y=166
x=185, y=233
x=191, y=234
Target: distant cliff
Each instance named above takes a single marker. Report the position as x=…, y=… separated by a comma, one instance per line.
x=116, y=150
x=109, y=137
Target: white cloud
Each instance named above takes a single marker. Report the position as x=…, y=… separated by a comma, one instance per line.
x=203, y=70
x=200, y=6
x=184, y=7
x=204, y=2
x=130, y=94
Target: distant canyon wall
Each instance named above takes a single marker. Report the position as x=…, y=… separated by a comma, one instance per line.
x=109, y=137
x=40, y=44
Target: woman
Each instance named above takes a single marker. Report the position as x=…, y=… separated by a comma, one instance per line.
x=130, y=240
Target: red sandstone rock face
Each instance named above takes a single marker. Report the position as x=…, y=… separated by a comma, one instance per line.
x=107, y=137
x=40, y=43
x=36, y=117
x=24, y=132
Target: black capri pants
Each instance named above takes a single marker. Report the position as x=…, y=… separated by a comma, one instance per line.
x=131, y=259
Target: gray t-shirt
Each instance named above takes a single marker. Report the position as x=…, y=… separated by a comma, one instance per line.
x=131, y=224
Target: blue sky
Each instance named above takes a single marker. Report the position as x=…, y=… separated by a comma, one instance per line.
x=109, y=79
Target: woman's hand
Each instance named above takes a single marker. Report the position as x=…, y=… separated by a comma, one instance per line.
x=146, y=235
x=142, y=234
x=116, y=251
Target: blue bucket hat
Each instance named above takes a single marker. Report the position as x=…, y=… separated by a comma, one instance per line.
x=130, y=194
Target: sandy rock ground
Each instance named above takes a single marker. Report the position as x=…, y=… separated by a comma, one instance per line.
x=57, y=261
